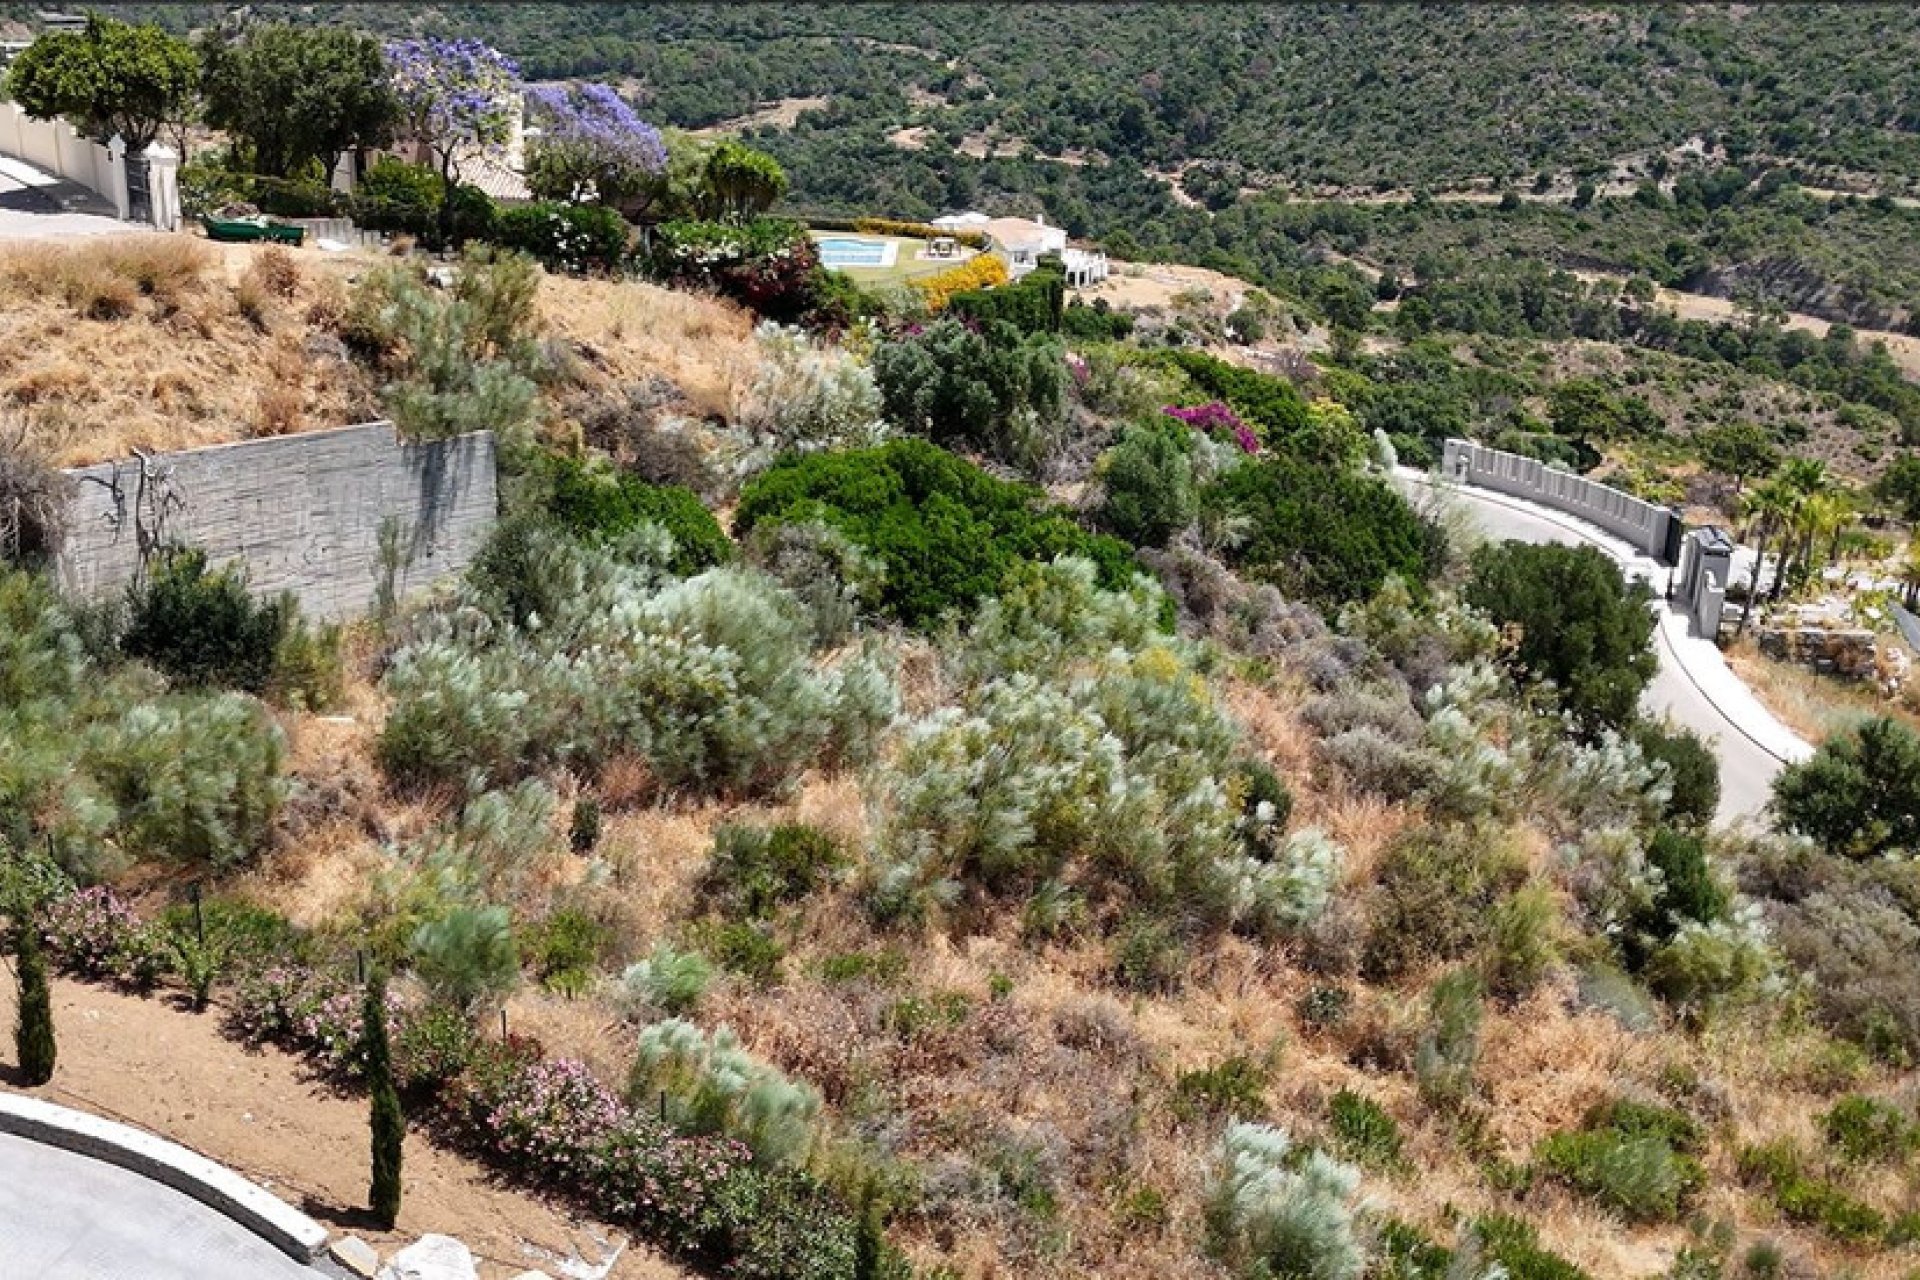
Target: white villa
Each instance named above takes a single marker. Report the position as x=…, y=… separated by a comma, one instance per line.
x=1021, y=244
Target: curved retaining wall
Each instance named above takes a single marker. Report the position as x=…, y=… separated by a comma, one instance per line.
x=1647, y=526
x=168, y=1163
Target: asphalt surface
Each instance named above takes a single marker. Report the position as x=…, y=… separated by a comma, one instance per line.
x=70, y=1217
x=1747, y=770
x=34, y=205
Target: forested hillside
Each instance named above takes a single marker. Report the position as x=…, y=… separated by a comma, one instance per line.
x=1352, y=95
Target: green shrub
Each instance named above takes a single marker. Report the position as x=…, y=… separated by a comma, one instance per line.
x=1859, y=795
x=753, y=871
x=1032, y=305
x=467, y=956
x=1693, y=771
x=910, y=1016
x=1448, y=1051
x=1148, y=957
x=1869, y=1129
x=1583, y=627
x=1649, y=1120
x=1638, y=1174
x=1234, y=1087
x=712, y=1085
x=883, y=968
x=1515, y=1245
x=400, y=197
x=668, y=981
x=1687, y=890
x=248, y=936
x=1148, y=485
x=1363, y=1131
x=946, y=532
x=746, y=948
x=578, y=239
x=1521, y=945
x=583, y=828
x=604, y=505
x=564, y=948
x=1094, y=324
x=997, y=391
x=1322, y=533
x=201, y=629
x=1272, y=1213
x=1437, y=889
x=1779, y=1167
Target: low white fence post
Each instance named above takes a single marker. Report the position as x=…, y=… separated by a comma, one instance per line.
x=115, y=188
x=163, y=186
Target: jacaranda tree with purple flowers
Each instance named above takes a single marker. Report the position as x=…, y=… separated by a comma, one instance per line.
x=592, y=147
x=458, y=99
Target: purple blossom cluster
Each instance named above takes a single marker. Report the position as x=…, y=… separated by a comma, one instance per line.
x=1215, y=418
x=598, y=123
x=453, y=92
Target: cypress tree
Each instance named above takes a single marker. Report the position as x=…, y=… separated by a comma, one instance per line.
x=33, y=1036
x=389, y=1125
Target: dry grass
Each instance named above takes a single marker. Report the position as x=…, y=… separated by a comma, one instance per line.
x=1813, y=705
x=628, y=332
x=169, y=342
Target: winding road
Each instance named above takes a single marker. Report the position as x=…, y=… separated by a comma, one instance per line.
x=1693, y=684
x=70, y=1217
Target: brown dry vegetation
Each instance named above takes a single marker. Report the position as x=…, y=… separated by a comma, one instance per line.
x=1050, y=1063
x=158, y=343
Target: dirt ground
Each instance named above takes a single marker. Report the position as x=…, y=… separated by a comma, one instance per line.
x=146, y=1063
x=1155, y=284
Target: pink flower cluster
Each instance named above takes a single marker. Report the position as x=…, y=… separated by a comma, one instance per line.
x=1215, y=417
x=552, y=1121
x=93, y=934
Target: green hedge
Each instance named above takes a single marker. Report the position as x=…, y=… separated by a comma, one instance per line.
x=1031, y=306
x=947, y=531
x=574, y=238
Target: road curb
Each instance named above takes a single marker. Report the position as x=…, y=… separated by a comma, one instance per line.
x=168, y=1163
x=1574, y=526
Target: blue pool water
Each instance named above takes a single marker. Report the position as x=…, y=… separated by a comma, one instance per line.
x=844, y=251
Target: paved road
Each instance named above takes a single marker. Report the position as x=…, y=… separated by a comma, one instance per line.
x=1747, y=769
x=34, y=204
x=69, y=1217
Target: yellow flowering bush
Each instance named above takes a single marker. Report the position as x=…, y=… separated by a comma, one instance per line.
x=984, y=271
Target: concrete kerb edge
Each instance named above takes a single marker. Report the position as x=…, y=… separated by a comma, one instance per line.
x=168, y=1163
x=1574, y=526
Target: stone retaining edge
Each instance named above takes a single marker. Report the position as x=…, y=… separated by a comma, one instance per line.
x=169, y=1163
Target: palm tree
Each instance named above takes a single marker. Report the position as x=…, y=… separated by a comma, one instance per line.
x=1800, y=480
x=1824, y=517
x=1910, y=573
x=1768, y=506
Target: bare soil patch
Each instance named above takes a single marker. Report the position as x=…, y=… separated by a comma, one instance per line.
x=141, y=1062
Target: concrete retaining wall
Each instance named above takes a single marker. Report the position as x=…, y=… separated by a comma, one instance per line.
x=168, y=1163
x=1641, y=523
x=303, y=512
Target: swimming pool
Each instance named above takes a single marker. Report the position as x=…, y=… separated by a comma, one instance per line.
x=847, y=251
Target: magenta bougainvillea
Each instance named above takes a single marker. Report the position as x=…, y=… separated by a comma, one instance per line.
x=1217, y=420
